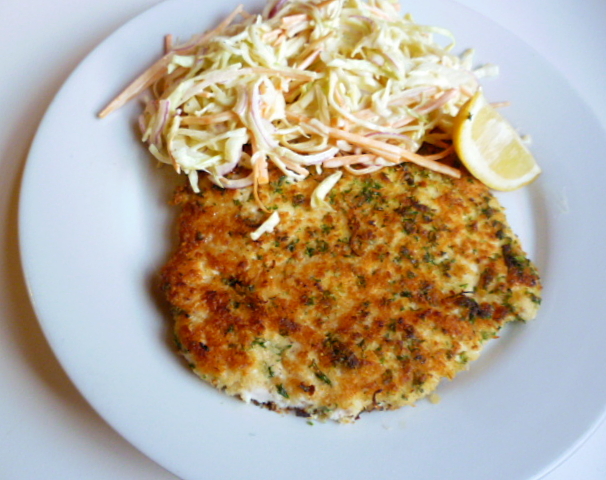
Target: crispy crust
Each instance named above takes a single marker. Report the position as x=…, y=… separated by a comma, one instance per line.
x=363, y=306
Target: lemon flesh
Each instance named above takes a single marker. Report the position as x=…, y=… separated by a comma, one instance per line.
x=490, y=147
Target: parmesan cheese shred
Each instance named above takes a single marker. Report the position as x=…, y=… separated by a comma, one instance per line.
x=335, y=84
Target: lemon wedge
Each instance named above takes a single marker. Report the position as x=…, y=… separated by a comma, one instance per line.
x=490, y=147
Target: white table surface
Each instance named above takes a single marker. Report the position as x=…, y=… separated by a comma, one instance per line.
x=47, y=430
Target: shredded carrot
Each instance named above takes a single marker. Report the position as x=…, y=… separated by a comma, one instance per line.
x=141, y=83
x=271, y=36
x=159, y=69
x=380, y=13
x=403, y=122
x=325, y=3
x=449, y=150
x=256, y=166
x=168, y=43
x=391, y=152
x=385, y=150
x=262, y=172
x=438, y=101
x=225, y=23
x=306, y=62
x=291, y=20
x=294, y=167
x=209, y=119
x=430, y=162
x=337, y=162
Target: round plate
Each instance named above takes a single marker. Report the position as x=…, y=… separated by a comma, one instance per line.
x=95, y=229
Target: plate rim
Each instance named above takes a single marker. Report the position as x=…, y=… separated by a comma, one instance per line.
x=27, y=265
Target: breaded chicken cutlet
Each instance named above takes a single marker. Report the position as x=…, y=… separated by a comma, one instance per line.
x=362, y=306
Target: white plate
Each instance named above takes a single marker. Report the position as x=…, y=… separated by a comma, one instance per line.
x=95, y=229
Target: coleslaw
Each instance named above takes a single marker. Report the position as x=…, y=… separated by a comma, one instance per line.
x=333, y=84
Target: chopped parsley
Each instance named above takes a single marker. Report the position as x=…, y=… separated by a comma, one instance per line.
x=282, y=391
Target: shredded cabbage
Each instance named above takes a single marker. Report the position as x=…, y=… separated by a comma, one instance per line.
x=319, y=194
x=348, y=84
x=267, y=226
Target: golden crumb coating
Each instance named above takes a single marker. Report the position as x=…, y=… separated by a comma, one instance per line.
x=363, y=304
